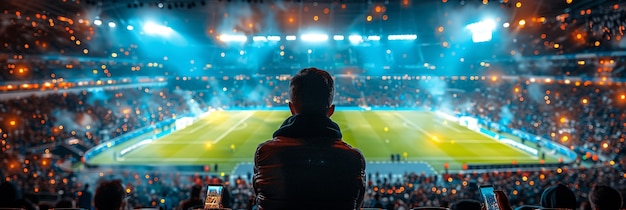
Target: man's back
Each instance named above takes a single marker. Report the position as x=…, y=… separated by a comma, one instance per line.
x=308, y=173
x=306, y=165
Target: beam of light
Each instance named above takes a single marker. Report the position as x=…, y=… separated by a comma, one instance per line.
x=402, y=37
x=290, y=37
x=273, y=38
x=154, y=29
x=373, y=38
x=233, y=38
x=338, y=37
x=314, y=37
x=355, y=39
x=482, y=31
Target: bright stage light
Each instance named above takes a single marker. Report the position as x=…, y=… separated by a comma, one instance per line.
x=97, y=22
x=314, y=37
x=154, y=29
x=290, y=37
x=355, y=39
x=482, y=31
x=273, y=38
x=373, y=38
x=233, y=38
x=112, y=24
x=259, y=39
x=130, y=28
x=338, y=37
x=402, y=37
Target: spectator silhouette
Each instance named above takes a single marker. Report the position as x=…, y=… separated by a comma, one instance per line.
x=110, y=195
x=84, y=198
x=65, y=203
x=558, y=196
x=466, y=204
x=8, y=195
x=194, y=200
x=604, y=197
x=307, y=165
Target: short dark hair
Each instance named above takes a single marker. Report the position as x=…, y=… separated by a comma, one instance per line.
x=195, y=191
x=312, y=90
x=466, y=204
x=109, y=195
x=605, y=198
x=558, y=196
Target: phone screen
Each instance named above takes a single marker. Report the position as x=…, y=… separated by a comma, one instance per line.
x=213, y=197
x=489, y=197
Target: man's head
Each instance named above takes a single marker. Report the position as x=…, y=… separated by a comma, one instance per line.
x=311, y=91
x=605, y=198
x=466, y=204
x=195, y=191
x=109, y=195
x=558, y=196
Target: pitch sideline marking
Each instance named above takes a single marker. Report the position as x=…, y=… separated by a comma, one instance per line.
x=440, y=158
x=231, y=129
x=214, y=141
x=201, y=126
x=413, y=125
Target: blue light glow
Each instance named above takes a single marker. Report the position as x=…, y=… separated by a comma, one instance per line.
x=233, y=38
x=482, y=31
x=155, y=29
x=259, y=39
x=314, y=37
x=402, y=37
x=290, y=37
x=373, y=38
x=273, y=38
x=355, y=39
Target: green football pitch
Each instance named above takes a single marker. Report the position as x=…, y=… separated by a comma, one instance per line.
x=231, y=137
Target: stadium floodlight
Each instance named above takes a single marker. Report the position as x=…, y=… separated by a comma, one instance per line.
x=373, y=38
x=259, y=39
x=273, y=38
x=355, y=39
x=130, y=27
x=97, y=22
x=482, y=31
x=338, y=37
x=290, y=37
x=402, y=37
x=233, y=38
x=155, y=29
x=112, y=24
x=314, y=37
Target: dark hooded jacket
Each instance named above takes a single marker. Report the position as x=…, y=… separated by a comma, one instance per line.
x=308, y=166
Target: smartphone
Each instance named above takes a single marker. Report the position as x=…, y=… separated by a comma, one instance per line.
x=489, y=197
x=214, y=196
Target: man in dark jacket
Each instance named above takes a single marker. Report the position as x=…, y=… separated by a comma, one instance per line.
x=307, y=165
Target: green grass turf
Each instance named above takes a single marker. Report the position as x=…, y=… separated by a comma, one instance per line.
x=230, y=137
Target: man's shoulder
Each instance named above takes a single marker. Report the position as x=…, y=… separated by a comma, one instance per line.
x=282, y=142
